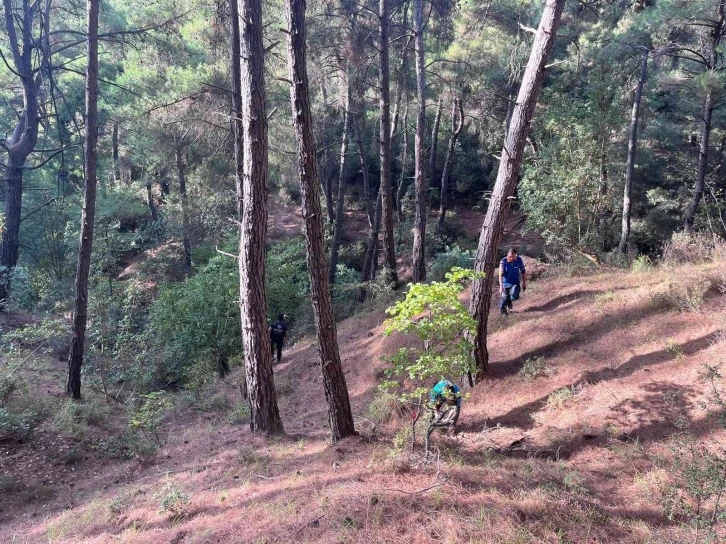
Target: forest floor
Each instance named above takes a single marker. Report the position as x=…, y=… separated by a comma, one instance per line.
x=596, y=402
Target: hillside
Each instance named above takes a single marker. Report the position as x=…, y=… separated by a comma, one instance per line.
x=597, y=378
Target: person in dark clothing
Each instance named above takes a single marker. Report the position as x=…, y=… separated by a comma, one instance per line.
x=512, y=275
x=278, y=332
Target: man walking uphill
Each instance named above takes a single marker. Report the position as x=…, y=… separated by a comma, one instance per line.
x=512, y=274
x=278, y=332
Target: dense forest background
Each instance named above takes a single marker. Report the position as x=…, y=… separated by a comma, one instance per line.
x=632, y=105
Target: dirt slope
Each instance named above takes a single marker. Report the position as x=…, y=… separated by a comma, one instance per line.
x=575, y=454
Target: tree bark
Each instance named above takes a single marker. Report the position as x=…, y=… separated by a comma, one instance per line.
x=359, y=130
x=509, y=168
x=184, y=207
x=88, y=213
x=435, y=141
x=369, y=263
x=340, y=208
x=336, y=391
x=150, y=203
x=236, y=76
x=389, y=248
x=264, y=413
x=456, y=129
x=632, y=150
x=114, y=145
x=419, y=232
x=402, y=180
x=402, y=73
x=24, y=138
x=708, y=107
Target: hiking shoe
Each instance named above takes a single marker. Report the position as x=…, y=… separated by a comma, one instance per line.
x=509, y=303
x=504, y=310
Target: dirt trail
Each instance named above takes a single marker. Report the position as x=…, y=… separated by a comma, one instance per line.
x=569, y=451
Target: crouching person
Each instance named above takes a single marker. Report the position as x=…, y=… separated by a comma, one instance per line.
x=445, y=402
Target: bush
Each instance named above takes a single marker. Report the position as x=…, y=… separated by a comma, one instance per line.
x=75, y=416
x=239, y=414
x=692, y=248
x=174, y=501
x=147, y=415
x=451, y=257
x=433, y=314
x=195, y=322
x=533, y=368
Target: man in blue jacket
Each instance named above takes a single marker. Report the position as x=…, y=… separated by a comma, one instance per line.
x=512, y=277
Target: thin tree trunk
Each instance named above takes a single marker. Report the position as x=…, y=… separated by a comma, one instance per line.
x=419, y=232
x=184, y=207
x=80, y=313
x=340, y=208
x=150, y=203
x=456, y=129
x=237, y=128
x=708, y=108
x=402, y=73
x=364, y=168
x=336, y=391
x=264, y=413
x=24, y=138
x=369, y=263
x=703, y=152
x=509, y=167
x=114, y=145
x=389, y=248
x=632, y=150
x=435, y=141
x=10, y=249
x=402, y=180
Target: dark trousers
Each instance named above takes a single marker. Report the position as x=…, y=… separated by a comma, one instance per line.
x=511, y=292
x=277, y=344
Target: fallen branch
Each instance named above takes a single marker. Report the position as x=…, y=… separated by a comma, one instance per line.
x=414, y=492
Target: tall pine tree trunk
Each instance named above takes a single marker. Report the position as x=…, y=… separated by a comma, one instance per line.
x=402, y=73
x=236, y=76
x=403, y=158
x=340, y=205
x=509, y=168
x=264, y=413
x=419, y=232
x=237, y=127
x=359, y=131
x=114, y=146
x=389, y=248
x=457, y=109
x=435, y=142
x=336, y=391
x=708, y=107
x=184, y=207
x=369, y=263
x=24, y=138
x=632, y=150
x=88, y=213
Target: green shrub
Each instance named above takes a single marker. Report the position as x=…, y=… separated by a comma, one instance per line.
x=642, y=263
x=239, y=414
x=147, y=415
x=560, y=397
x=194, y=322
x=450, y=258
x=533, y=368
x=75, y=416
x=173, y=500
x=434, y=314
